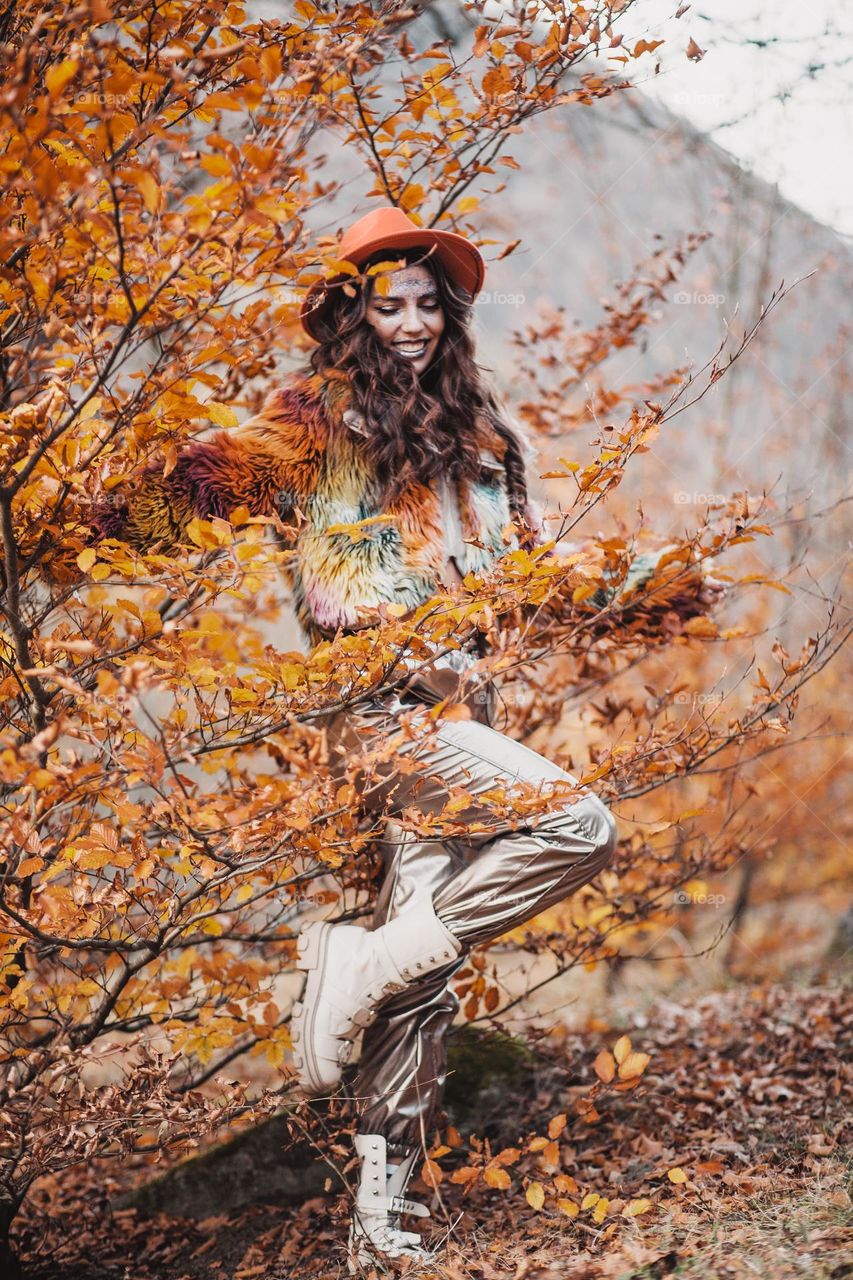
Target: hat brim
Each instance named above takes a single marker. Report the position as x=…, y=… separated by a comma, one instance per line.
x=461, y=259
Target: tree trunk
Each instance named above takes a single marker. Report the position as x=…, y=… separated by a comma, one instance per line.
x=10, y=1268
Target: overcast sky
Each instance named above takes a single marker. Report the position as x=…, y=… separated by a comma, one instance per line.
x=756, y=53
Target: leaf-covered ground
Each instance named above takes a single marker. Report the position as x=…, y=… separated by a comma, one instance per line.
x=747, y=1093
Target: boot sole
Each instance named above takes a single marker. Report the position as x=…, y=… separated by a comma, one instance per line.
x=361, y=1260
x=312, y=949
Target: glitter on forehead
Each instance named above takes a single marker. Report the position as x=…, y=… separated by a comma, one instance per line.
x=419, y=285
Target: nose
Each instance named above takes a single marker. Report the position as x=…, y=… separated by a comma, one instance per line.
x=411, y=321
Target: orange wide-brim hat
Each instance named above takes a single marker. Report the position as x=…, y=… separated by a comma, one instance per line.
x=391, y=228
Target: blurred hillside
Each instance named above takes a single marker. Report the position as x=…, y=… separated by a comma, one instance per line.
x=599, y=191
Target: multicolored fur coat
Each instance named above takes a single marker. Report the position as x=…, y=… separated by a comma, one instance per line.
x=302, y=451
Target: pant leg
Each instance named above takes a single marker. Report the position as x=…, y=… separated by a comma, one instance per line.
x=491, y=881
x=403, y=1063
x=402, y=1068
x=511, y=875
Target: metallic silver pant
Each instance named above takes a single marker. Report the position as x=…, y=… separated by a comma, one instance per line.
x=482, y=884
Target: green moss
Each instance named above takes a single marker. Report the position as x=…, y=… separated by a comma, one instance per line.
x=484, y=1067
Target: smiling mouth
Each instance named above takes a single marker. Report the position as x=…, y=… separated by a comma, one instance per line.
x=411, y=349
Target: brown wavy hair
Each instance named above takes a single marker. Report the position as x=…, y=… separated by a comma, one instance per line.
x=418, y=425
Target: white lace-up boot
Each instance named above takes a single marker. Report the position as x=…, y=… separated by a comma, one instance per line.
x=350, y=972
x=375, y=1233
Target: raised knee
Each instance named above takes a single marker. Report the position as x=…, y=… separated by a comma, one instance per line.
x=609, y=832
x=597, y=824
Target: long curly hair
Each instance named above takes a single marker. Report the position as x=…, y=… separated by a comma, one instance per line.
x=418, y=425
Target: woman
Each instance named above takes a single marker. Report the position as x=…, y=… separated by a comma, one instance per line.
x=394, y=427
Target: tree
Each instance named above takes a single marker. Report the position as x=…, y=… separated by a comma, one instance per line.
x=166, y=807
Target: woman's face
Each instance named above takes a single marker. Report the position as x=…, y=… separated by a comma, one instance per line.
x=409, y=319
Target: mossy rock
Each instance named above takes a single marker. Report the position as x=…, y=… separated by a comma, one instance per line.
x=484, y=1067
x=265, y=1165
x=261, y=1165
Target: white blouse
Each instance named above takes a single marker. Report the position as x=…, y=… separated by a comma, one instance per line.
x=454, y=545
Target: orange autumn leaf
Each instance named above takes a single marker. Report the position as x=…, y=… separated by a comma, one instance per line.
x=163, y=746
x=633, y=1065
x=566, y=1184
x=604, y=1066
x=568, y=1207
x=495, y=1176
x=556, y=1125
x=621, y=1049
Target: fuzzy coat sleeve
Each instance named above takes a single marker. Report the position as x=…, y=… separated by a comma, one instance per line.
x=269, y=465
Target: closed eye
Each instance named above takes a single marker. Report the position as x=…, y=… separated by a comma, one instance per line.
x=390, y=311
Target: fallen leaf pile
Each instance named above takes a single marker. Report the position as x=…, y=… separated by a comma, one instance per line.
x=726, y=1153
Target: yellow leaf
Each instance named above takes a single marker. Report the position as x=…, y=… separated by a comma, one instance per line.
x=622, y=1048
x=411, y=197
x=87, y=558
x=216, y=165
x=591, y=1198
x=94, y=859
x=275, y=1054
x=604, y=1066
x=100, y=572
x=202, y=533
x=635, y=1208
x=677, y=1175
x=568, y=1207
x=599, y=1213
x=495, y=1176
x=220, y=414
x=535, y=1195
x=56, y=78
x=634, y=1065
x=700, y=626
x=147, y=185
x=107, y=683
x=90, y=408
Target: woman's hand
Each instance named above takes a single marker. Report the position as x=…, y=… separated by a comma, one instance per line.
x=711, y=591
